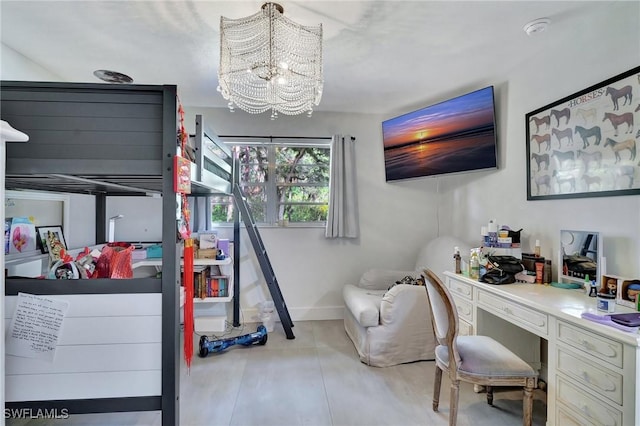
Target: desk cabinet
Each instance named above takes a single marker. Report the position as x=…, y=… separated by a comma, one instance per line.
x=591, y=368
x=591, y=373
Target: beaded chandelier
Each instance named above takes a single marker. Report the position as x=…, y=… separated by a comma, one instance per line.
x=268, y=62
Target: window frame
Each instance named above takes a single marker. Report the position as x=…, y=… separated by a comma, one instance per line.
x=271, y=185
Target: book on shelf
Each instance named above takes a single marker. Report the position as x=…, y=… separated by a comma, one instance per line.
x=207, y=285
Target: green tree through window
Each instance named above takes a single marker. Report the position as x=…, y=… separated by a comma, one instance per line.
x=281, y=183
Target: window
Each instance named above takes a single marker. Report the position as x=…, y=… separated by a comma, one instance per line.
x=282, y=182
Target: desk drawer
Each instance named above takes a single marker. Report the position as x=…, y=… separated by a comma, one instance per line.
x=530, y=319
x=593, y=344
x=464, y=308
x=592, y=409
x=459, y=288
x=596, y=378
x=567, y=417
x=465, y=329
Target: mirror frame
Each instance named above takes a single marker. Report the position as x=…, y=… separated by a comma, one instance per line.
x=598, y=257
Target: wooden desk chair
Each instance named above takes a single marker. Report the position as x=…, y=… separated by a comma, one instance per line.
x=476, y=359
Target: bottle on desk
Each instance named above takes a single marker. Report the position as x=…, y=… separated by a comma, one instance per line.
x=474, y=265
x=536, y=249
x=458, y=260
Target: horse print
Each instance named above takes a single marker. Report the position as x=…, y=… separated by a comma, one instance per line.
x=616, y=94
x=565, y=177
x=637, y=108
x=585, y=134
x=542, y=180
x=623, y=172
x=629, y=144
x=564, y=160
x=590, y=180
x=558, y=114
x=590, y=157
x=541, y=158
x=616, y=120
x=542, y=120
x=587, y=114
x=563, y=134
x=540, y=139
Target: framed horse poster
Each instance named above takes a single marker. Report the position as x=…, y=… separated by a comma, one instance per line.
x=585, y=144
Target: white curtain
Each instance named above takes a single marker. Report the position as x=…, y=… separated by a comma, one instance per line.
x=342, y=218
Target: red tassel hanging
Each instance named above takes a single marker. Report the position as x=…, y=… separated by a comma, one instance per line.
x=187, y=281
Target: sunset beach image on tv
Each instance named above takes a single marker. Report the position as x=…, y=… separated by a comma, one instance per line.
x=456, y=135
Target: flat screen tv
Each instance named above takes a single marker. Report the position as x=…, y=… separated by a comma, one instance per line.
x=456, y=135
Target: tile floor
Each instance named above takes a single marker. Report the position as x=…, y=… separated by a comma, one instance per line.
x=314, y=379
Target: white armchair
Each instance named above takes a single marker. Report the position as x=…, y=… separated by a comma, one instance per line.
x=390, y=327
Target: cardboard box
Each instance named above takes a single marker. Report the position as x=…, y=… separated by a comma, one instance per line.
x=206, y=253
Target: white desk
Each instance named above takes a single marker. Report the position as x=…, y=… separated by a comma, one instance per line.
x=591, y=369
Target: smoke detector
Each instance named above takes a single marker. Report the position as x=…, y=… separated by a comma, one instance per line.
x=536, y=26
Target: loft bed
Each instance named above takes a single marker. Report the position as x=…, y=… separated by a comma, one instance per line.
x=106, y=140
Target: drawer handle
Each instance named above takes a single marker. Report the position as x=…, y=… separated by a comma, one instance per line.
x=585, y=409
x=585, y=377
x=587, y=412
x=610, y=386
x=586, y=344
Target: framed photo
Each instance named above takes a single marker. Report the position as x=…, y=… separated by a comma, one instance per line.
x=48, y=235
x=585, y=144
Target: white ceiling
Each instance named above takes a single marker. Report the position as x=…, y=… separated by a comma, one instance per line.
x=379, y=56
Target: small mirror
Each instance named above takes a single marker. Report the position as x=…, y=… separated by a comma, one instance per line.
x=580, y=253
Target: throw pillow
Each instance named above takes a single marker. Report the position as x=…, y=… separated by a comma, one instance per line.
x=408, y=280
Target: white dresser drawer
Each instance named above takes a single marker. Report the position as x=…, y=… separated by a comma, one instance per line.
x=593, y=376
x=567, y=417
x=592, y=409
x=464, y=328
x=459, y=288
x=532, y=320
x=464, y=308
x=593, y=344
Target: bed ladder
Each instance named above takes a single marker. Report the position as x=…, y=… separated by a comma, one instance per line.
x=265, y=264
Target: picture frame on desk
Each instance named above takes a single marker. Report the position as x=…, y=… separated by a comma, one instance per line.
x=46, y=240
x=584, y=145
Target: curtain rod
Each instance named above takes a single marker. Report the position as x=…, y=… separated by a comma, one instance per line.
x=281, y=137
